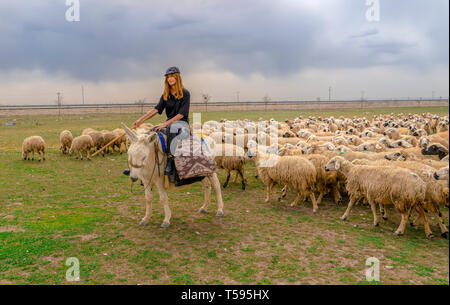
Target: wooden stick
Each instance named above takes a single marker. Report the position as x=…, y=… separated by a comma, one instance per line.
x=109, y=144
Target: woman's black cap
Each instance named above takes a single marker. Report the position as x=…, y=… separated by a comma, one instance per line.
x=172, y=70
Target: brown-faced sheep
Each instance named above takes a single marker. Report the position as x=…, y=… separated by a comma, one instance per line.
x=80, y=144
x=296, y=172
x=65, y=139
x=383, y=185
x=33, y=144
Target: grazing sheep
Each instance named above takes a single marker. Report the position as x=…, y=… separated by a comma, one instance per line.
x=87, y=130
x=383, y=185
x=99, y=140
x=33, y=144
x=123, y=140
x=296, y=172
x=65, y=138
x=108, y=136
x=80, y=144
x=231, y=158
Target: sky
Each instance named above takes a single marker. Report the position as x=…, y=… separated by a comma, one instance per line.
x=248, y=49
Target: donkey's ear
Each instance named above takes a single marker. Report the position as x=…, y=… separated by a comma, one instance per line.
x=130, y=133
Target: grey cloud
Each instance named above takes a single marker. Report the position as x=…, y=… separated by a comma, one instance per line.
x=117, y=40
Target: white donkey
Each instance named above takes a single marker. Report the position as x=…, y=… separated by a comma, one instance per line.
x=147, y=163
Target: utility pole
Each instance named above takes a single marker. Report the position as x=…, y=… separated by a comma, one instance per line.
x=329, y=94
x=362, y=98
x=237, y=96
x=59, y=102
x=82, y=94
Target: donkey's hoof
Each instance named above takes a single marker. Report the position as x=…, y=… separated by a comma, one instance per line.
x=444, y=235
x=165, y=224
x=412, y=224
x=202, y=211
x=143, y=223
x=430, y=236
x=398, y=233
x=219, y=213
x=385, y=218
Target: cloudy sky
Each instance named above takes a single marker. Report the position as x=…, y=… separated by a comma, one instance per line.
x=288, y=49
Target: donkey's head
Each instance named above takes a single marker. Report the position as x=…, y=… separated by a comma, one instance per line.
x=141, y=153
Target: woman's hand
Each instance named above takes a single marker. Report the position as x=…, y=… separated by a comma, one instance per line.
x=136, y=124
x=160, y=126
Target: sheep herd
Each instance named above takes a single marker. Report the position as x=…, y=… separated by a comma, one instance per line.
x=400, y=160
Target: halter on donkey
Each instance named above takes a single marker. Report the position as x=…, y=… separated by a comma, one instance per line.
x=147, y=162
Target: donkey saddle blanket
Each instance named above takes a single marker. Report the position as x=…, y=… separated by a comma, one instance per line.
x=193, y=158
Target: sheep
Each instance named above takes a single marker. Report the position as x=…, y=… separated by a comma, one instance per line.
x=80, y=144
x=231, y=158
x=87, y=130
x=371, y=146
x=441, y=174
x=99, y=140
x=383, y=185
x=123, y=140
x=410, y=154
x=65, y=139
x=108, y=136
x=296, y=172
x=436, y=193
x=33, y=144
x=435, y=149
x=324, y=181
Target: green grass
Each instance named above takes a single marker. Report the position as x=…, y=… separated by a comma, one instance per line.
x=63, y=208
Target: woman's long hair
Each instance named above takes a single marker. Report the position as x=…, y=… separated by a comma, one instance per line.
x=178, y=87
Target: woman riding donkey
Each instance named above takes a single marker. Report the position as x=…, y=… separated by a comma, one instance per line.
x=176, y=102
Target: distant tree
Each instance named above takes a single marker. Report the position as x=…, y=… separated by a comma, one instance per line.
x=206, y=98
x=141, y=102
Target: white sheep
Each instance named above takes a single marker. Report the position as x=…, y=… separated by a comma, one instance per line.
x=296, y=172
x=65, y=139
x=80, y=144
x=383, y=185
x=33, y=144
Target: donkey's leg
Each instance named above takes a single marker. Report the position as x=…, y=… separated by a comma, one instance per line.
x=148, y=206
x=164, y=199
x=216, y=185
x=207, y=189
